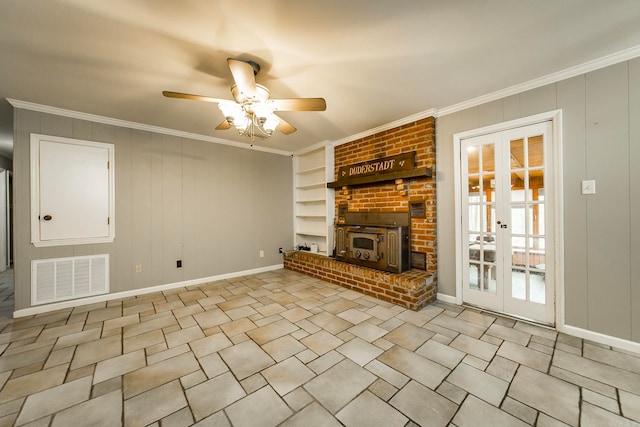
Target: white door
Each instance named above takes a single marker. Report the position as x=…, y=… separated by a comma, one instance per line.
x=74, y=191
x=506, y=200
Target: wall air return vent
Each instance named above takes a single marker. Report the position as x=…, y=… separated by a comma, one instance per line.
x=61, y=279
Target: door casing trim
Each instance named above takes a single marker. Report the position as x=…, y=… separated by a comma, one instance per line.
x=555, y=117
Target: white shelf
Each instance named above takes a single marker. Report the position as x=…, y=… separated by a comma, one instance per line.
x=311, y=186
x=312, y=170
x=314, y=207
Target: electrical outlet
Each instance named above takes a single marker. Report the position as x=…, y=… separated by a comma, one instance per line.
x=261, y=254
x=179, y=263
x=138, y=268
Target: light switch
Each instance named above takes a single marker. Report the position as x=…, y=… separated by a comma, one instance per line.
x=589, y=187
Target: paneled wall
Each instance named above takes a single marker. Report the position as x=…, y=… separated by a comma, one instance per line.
x=601, y=141
x=214, y=207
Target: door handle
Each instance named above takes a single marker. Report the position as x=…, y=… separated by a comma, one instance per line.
x=47, y=217
x=502, y=225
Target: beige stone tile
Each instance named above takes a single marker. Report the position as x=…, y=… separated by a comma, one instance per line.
x=237, y=302
x=21, y=334
x=383, y=389
x=330, y=322
x=312, y=415
x=154, y=405
x=324, y=362
x=96, y=351
x=33, y=383
x=502, y=368
x=295, y=314
x=121, y=322
x=151, y=376
x=451, y=392
x=367, y=331
x=525, y=356
x=119, y=365
x=287, y=375
x=630, y=405
x=359, y=351
x=105, y=410
x=487, y=387
x=474, y=412
x=262, y=408
x=144, y=340
x=245, y=359
x=423, y=406
x=414, y=366
x=253, y=383
x=414, y=317
x=476, y=317
x=54, y=399
x=613, y=358
x=321, y=342
x=59, y=357
x=475, y=347
x=339, y=385
x=604, y=402
x=97, y=316
x=440, y=353
x=604, y=373
x=283, y=348
x=211, y=396
x=78, y=338
x=183, y=336
x=381, y=312
x=298, y=399
x=237, y=327
x=149, y=325
x=547, y=394
x=58, y=331
x=210, y=344
x=539, y=331
x=20, y=360
x=509, y=334
x=271, y=309
x=213, y=365
x=368, y=409
x=272, y=331
x=594, y=416
x=458, y=325
x=409, y=336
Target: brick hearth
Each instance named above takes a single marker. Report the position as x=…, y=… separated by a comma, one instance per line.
x=412, y=289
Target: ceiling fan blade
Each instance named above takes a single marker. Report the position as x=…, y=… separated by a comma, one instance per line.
x=299, y=104
x=285, y=127
x=223, y=126
x=243, y=76
x=181, y=95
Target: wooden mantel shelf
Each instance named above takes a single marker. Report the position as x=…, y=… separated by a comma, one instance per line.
x=371, y=179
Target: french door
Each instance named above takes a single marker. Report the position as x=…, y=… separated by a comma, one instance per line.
x=507, y=241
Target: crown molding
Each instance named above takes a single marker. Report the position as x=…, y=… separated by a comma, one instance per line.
x=400, y=122
x=138, y=126
x=605, y=61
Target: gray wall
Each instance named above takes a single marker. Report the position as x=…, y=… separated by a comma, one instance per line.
x=601, y=136
x=212, y=206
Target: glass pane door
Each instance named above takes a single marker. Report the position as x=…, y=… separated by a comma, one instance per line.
x=506, y=235
x=479, y=217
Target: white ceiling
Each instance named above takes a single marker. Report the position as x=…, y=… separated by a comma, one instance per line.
x=374, y=61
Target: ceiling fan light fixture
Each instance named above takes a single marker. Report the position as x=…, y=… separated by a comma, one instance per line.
x=271, y=123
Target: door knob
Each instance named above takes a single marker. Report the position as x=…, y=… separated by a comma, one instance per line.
x=47, y=217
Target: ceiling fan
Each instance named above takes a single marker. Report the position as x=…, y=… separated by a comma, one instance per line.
x=252, y=112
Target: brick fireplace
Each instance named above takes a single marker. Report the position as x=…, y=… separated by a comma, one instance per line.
x=418, y=286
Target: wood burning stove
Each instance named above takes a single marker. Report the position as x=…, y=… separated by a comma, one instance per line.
x=378, y=240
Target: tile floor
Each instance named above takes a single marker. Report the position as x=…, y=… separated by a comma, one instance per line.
x=281, y=348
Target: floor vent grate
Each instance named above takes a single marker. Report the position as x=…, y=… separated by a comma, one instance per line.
x=61, y=279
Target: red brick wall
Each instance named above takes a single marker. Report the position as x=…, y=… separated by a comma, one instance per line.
x=413, y=289
x=418, y=136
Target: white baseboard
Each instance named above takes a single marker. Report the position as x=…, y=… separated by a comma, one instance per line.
x=447, y=298
x=126, y=294
x=601, y=338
